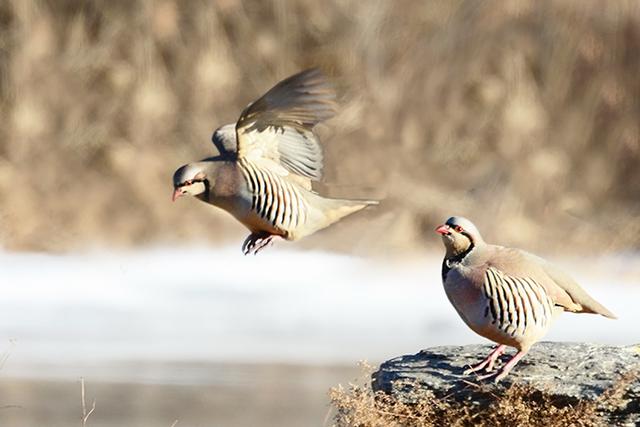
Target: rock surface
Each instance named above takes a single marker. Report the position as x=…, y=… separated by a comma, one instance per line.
x=567, y=372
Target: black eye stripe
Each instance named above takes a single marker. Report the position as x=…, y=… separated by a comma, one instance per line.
x=463, y=231
x=455, y=226
x=192, y=181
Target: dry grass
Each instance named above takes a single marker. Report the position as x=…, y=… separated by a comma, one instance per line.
x=517, y=406
x=522, y=110
x=86, y=413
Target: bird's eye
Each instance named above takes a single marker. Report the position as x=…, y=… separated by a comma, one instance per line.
x=458, y=229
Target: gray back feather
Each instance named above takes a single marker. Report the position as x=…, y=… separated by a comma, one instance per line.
x=224, y=139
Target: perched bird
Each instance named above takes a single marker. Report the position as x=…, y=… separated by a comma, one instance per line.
x=506, y=295
x=266, y=163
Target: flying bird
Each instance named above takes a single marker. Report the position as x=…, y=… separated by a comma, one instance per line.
x=506, y=295
x=266, y=162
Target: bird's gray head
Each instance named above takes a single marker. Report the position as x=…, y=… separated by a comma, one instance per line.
x=459, y=236
x=189, y=179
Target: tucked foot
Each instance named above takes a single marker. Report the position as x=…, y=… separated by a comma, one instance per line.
x=256, y=242
x=488, y=363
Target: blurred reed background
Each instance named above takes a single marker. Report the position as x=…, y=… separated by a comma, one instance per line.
x=523, y=115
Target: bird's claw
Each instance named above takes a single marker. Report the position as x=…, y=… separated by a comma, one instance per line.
x=488, y=363
x=256, y=242
x=487, y=376
x=476, y=368
x=496, y=375
x=485, y=366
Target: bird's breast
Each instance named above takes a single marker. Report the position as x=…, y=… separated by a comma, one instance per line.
x=228, y=183
x=504, y=309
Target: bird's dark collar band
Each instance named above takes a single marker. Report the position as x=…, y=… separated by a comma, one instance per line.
x=207, y=188
x=448, y=263
x=457, y=258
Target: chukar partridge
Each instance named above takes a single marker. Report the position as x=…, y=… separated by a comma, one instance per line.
x=506, y=295
x=266, y=163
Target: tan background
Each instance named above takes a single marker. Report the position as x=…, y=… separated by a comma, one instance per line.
x=523, y=115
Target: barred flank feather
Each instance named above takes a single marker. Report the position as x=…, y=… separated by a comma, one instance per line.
x=515, y=303
x=274, y=199
x=294, y=210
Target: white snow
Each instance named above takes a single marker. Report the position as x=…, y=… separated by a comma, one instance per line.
x=216, y=305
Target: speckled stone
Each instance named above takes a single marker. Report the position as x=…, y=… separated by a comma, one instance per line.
x=569, y=372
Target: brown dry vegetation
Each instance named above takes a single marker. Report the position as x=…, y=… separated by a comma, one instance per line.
x=523, y=115
x=519, y=405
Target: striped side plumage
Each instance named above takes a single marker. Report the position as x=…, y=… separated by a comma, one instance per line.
x=274, y=199
x=515, y=303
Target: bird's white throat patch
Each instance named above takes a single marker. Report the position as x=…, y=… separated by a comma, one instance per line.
x=194, y=188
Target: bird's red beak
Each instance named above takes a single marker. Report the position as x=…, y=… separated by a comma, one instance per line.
x=176, y=193
x=443, y=229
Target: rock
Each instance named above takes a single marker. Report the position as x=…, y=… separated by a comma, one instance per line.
x=569, y=373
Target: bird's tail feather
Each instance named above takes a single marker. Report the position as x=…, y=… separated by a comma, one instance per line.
x=337, y=209
x=597, y=308
x=325, y=211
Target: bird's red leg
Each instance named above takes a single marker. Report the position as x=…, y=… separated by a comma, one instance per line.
x=488, y=362
x=504, y=371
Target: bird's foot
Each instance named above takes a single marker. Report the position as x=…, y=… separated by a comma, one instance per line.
x=496, y=375
x=504, y=371
x=480, y=366
x=256, y=242
x=489, y=375
x=488, y=363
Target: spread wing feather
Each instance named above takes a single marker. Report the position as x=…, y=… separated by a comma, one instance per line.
x=279, y=125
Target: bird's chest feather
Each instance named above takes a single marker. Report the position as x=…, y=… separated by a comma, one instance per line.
x=463, y=287
x=229, y=182
x=459, y=285
x=229, y=193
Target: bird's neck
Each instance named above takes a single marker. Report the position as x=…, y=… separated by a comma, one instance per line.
x=205, y=196
x=454, y=258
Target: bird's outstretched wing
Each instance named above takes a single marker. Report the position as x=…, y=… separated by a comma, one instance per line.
x=279, y=125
